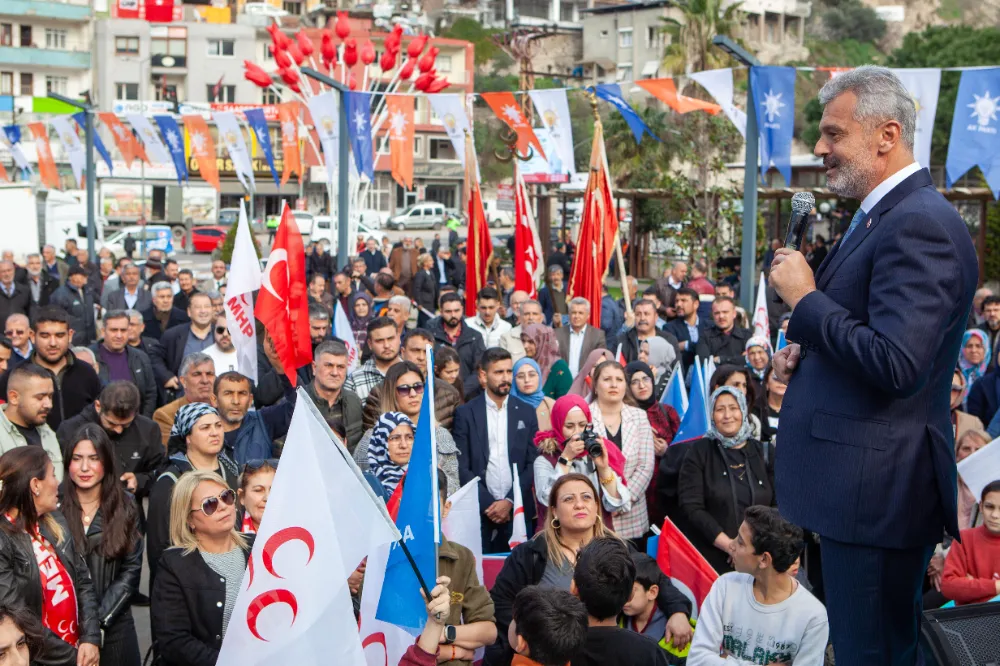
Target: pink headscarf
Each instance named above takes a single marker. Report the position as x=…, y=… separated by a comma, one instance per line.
x=562, y=408
x=546, y=347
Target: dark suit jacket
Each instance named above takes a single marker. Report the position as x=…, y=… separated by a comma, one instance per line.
x=19, y=302
x=48, y=285
x=593, y=338
x=678, y=328
x=867, y=452
x=470, y=431
x=171, y=350
x=177, y=317
x=116, y=301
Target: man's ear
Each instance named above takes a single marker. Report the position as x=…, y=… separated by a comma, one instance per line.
x=97, y=406
x=653, y=592
x=521, y=646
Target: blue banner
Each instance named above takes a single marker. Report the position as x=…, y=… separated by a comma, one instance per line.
x=675, y=393
x=782, y=342
x=174, y=139
x=612, y=93
x=975, y=140
x=694, y=423
x=13, y=133
x=98, y=144
x=255, y=118
x=417, y=520
x=774, y=102
x=359, y=129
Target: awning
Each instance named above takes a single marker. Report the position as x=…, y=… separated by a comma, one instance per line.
x=650, y=68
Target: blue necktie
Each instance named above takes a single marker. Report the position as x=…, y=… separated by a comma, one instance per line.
x=855, y=221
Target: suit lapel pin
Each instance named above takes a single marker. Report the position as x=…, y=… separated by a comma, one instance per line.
x=868, y=224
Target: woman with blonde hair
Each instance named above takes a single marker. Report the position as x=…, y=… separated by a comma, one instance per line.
x=199, y=577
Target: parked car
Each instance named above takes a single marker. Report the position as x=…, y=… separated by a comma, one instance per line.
x=323, y=229
x=206, y=239
x=425, y=215
x=496, y=217
x=229, y=216
x=157, y=237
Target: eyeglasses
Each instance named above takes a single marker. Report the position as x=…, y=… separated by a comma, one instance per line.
x=219, y=330
x=210, y=505
x=406, y=389
x=257, y=463
x=396, y=439
x=10, y=331
x=640, y=381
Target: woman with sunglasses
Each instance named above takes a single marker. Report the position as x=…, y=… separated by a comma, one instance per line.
x=104, y=524
x=39, y=558
x=255, y=487
x=403, y=391
x=198, y=436
x=200, y=575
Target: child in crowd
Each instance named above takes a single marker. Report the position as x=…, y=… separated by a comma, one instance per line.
x=759, y=614
x=549, y=627
x=972, y=569
x=642, y=615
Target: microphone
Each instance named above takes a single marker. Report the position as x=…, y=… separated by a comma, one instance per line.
x=802, y=205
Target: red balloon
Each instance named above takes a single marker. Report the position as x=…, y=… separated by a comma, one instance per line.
x=387, y=61
x=327, y=50
x=426, y=62
x=280, y=57
x=288, y=76
x=407, y=71
x=296, y=53
x=256, y=75
x=350, y=53
x=343, y=26
x=368, y=52
x=423, y=81
x=352, y=83
x=305, y=44
x=437, y=85
x=416, y=46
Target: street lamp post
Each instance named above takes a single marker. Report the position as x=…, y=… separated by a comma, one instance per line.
x=88, y=131
x=748, y=258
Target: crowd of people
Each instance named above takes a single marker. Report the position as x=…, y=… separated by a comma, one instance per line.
x=130, y=439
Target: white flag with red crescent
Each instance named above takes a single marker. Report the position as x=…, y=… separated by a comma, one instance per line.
x=322, y=519
x=519, y=530
x=342, y=329
x=761, y=326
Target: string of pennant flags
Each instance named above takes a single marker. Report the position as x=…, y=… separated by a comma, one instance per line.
x=161, y=139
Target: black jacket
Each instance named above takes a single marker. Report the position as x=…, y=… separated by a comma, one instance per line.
x=76, y=387
x=449, y=271
x=678, y=328
x=141, y=367
x=115, y=581
x=20, y=585
x=374, y=262
x=728, y=347
x=630, y=344
x=151, y=347
x=177, y=317
x=47, y=286
x=525, y=566
x=182, y=300
x=18, y=302
x=470, y=348
x=172, y=347
x=425, y=290
x=139, y=448
x=324, y=265
x=706, y=491
x=186, y=608
x=80, y=306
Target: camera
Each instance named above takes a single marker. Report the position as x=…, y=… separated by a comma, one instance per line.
x=592, y=442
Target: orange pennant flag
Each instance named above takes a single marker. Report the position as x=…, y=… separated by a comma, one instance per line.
x=128, y=145
x=46, y=164
x=507, y=110
x=203, y=149
x=400, y=109
x=666, y=91
x=3, y=173
x=288, y=116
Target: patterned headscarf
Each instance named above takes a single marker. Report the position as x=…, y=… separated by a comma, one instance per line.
x=745, y=430
x=757, y=341
x=381, y=465
x=974, y=372
x=533, y=399
x=188, y=415
x=661, y=356
x=581, y=385
x=546, y=347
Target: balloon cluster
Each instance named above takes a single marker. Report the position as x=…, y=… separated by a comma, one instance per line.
x=289, y=54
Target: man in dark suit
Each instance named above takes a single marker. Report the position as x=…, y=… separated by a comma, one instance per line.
x=444, y=267
x=131, y=296
x=867, y=453
x=494, y=431
x=39, y=282
x=577, y=340
x=645, y=328
x=15, y=298
x=688, y=327
x=195, y=336
x=162, y=315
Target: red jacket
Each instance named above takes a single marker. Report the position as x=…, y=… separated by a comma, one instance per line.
x=978, y=555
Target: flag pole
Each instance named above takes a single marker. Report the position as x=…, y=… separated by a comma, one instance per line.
x=416, y=569
x=599, y=128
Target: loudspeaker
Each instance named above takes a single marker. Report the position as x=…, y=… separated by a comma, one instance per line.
x=964, y=635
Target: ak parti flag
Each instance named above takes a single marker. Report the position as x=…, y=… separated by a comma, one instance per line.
x=507, y=110
x=126, y=142
x=288, y=116
x=400, y=109
x=665, y=90
x=3, y=174
x=282, y=303
x=46, y=164
x=683, y=564
x=480, y=245
x=203, y=149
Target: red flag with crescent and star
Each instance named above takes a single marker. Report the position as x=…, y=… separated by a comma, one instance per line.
x=282, y=303
x=527, y=243
x=507, y=110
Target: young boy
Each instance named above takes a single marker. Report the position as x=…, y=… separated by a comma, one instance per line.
x=643, y=615
x=759, y=614
x=549, y=627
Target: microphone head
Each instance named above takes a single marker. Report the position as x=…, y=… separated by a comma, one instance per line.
x=803, y=202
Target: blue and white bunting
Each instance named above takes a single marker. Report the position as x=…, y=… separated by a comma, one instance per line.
x=232, y=136
x=255, y=118
x=174, y=139
x=13, y=136
x=612, y=93
x=359, y=129
x=774, y=102
x=72, y=146
x=975, y=140
x=99, y=146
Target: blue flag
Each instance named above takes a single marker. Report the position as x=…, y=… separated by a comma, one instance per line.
x=174, y=139
x=782, y=342
x=359, y=129
x=255, y=118
x=417, y=520
x=694, y=424
x=612, y=93
x=675, y=393
x=13, y=133
x=98, y=144
x=975, y=140
x=774, y=102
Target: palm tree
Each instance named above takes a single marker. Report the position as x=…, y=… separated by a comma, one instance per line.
x=691, y=48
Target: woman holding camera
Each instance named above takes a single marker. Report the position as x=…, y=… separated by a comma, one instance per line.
x=568, y=448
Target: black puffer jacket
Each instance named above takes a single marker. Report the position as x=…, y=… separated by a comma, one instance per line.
x=21, y=585
x=114, y=580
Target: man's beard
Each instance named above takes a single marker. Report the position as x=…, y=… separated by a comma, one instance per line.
x=853, y=179
x=501, y=390
x=34, y=274
x=451, y=323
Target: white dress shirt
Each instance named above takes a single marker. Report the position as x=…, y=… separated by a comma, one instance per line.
x=491, y=334
x=499, y=480
x=887, y=186
x=575, y=349
x=130, y=296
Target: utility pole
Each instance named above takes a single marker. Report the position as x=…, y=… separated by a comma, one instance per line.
x=88, y=130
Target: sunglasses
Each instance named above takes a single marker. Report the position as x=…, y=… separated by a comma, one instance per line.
x=406, y=389
x=219, y=330
x=211, y=504
x=257, y=463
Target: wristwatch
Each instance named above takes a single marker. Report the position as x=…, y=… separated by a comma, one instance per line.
x=450, y=634
x=563, y=461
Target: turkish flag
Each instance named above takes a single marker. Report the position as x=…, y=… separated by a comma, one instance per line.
x=528, y=263
x=480, y=245
x=665, y=90
x=681, y=561
x=400, y=108
x=282, y=303
x=160, y=11
x=127, y=9
x=507, y=110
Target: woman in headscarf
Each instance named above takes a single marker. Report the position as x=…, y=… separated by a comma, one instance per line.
x=974, y=358
x=562, y=451
x=663, y=419
x=540, y=344
x=758, y=355
x=961, y=420
x=659, y=355
x=360, y=313
x=723, y=473
x=583, y=384
x=528, y=387
x=389, y=449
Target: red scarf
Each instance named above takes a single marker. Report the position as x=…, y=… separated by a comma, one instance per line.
x=59, y=596
x=247, y=526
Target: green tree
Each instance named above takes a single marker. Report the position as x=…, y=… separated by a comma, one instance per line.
x=850, y=19
x=691, y=48
x=486, y=49
x=230, y=240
